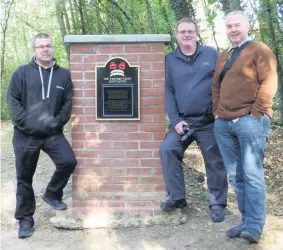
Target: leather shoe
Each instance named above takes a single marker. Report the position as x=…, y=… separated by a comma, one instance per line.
x=55, y=204
x=235, y=232
x=251, y=235
x=170, y=205
x=26, y=229
x=217, y=213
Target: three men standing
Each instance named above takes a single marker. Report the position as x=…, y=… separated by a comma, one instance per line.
x=189, y=73
x=40, y=99
x=244, y=85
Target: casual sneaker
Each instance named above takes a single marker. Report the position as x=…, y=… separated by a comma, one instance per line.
x=217, y=213
x=170, y=205
x=55, y=204
x=26, y=229
x=251, y=235
x=235, y=232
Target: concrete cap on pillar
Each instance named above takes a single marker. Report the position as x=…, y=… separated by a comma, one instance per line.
x=110, y=39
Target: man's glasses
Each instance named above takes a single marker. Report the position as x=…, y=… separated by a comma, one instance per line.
x=41, y=47
x=183, y=32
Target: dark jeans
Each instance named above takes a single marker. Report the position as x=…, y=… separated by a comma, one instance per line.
x=242, y=145
x=171, y=154
x=27, y=149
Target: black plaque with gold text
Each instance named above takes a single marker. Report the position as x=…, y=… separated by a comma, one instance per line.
x=117, y=91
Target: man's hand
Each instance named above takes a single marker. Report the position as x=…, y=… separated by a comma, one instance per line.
x=179, y=127
x=216, y=117
x=51, y=124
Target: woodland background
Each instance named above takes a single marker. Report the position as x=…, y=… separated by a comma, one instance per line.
x=22, y=19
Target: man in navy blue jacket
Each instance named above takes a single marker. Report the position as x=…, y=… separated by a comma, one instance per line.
x=189, y=73
x=40, y=99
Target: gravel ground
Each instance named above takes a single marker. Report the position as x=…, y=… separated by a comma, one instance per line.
x=197, y=234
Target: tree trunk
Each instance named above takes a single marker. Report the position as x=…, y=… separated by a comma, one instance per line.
x=85, y=17
x=81, y=16
x=168, y=28
x=124, y=12
x=60, y=19
x=182, y=8
x=276, y=49
x=66, y=17
x=230, y=5
x=150, y=16
x=255, y=10
x=74, y=21
x=109, y=19
x=214, y=38
x=3, y=51
x=98, y=22
x=26, y=43
x=4, y=27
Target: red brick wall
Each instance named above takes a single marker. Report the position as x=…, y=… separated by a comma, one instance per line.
x=118, y=161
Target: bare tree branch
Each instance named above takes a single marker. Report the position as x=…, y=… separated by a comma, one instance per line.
x=4, y=26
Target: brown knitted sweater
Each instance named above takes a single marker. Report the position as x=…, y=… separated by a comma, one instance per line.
x=249, y=86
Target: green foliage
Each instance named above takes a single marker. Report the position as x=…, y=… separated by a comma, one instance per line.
x=210, y=15
x=277, y=117
x=5, y=113
x=211, y=1
x=59, y=18
x=276, y=104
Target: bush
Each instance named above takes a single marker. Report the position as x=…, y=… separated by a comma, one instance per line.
x=277, y=117
x=5, y=112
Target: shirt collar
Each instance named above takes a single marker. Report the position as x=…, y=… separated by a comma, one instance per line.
x=240, y=44
x=191, y=54
x=184, y=57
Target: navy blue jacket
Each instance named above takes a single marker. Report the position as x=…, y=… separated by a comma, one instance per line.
x=40, y=99
x=188, y=86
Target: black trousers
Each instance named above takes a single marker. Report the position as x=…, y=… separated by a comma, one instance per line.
x=27, y=149
x=171, y=154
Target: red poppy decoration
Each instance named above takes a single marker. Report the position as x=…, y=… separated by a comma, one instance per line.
x=113, y=65
x=122, y=66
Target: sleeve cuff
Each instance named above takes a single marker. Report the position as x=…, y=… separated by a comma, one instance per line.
x=175, y=122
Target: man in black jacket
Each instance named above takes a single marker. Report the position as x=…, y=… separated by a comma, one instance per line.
x=189, y=72
x=40, y=99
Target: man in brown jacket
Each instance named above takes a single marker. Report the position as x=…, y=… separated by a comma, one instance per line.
x=244, y=84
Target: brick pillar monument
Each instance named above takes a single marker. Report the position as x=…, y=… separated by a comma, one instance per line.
x=119, y=172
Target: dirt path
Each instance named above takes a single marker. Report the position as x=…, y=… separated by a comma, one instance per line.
x=197, y=234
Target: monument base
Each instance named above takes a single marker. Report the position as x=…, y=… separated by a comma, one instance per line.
x=78, y=218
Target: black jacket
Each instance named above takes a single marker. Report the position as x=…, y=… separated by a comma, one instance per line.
x=40, y=99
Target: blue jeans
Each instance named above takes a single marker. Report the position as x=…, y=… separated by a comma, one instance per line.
x=242, y=145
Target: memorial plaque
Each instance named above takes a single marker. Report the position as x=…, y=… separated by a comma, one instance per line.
x=117, y=90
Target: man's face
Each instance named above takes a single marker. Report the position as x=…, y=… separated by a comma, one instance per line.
x=237, y=29
x=186, y=34
x=43, y=50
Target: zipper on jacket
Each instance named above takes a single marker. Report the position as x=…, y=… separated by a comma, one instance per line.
x=191, y=68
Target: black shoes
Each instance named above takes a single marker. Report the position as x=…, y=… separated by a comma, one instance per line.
x=235, y=232
x=26, y=229
x=251, y=235
x=55, y=204
x=170, y=205
x=217, y=213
